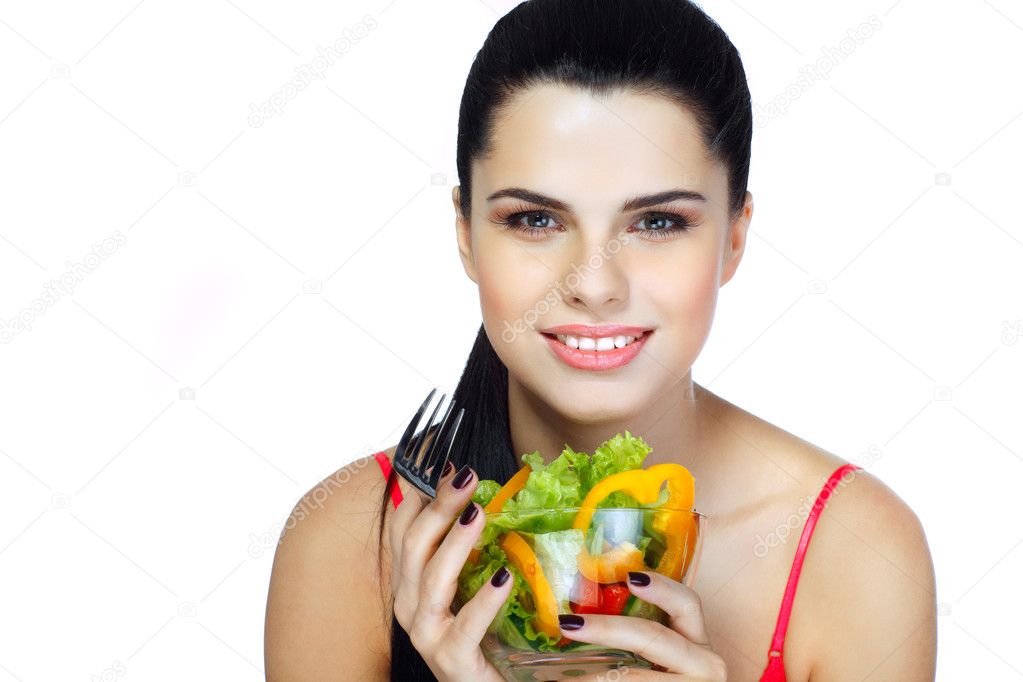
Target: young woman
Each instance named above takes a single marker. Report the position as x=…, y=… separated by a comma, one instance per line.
x=603, y=154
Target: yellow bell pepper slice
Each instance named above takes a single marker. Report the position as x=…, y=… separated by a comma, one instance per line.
x=680, y=534
x=644, y=485
x=506, y=492
x=521, y=555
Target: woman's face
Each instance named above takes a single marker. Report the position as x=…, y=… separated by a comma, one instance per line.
x=589, y=262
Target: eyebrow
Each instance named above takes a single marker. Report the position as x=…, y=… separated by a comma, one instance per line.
x=632, y=204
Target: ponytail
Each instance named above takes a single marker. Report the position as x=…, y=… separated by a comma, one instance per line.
x=484, y=443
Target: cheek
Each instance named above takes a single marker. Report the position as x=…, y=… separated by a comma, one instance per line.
x=701, y=292
x=497, y=297
x=685, y=293
x=511, y=294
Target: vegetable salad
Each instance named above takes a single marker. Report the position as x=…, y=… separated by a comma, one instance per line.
x=568, y=550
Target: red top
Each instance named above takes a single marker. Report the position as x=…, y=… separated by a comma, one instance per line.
x=775, y=670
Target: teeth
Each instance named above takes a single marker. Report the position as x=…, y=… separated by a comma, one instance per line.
x=602, y=344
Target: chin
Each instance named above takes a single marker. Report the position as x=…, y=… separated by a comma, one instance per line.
x=598, y=408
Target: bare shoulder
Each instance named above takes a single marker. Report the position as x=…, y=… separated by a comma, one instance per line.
x=325, y=614
x=865, y=604
x=861, y=512
x=867, y=582
x=874, y=572
x=861, y=503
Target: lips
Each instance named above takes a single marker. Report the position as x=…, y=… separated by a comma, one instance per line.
x=597, y=331
x=596, y=360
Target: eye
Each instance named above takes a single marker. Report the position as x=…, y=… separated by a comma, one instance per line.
x=513, y=222
x=660, y=225
x=660, y=231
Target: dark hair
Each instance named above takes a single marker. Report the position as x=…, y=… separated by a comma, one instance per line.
x=661, y=47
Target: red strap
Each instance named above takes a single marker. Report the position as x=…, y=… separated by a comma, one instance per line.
x=385, y=467
x=775, y=671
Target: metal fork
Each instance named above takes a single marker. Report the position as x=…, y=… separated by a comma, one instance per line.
x=412, y=461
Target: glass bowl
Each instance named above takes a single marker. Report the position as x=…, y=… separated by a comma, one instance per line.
x=563, y=563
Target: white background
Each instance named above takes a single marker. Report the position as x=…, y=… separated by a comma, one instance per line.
x=877, y=312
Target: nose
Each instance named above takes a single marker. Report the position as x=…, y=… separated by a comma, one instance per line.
x=595, y=279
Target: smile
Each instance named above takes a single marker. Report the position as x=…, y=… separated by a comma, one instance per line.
x=596, y=354
x=601, y=344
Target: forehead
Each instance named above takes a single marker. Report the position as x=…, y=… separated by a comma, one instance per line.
x=568, y=143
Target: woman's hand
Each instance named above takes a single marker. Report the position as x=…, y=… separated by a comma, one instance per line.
x=427, y=554
x=681, y=649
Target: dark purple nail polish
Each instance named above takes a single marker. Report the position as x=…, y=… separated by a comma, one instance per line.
x=448, y=466
x=468, y=514
x=462, y=477
x=500, y=577
x=570, y=621
x=640, y=579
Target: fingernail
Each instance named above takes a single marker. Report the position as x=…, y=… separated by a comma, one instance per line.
x=448, y=466
x=641, y=579
x=500, y=577
x=570, y=621
x=468, y=514
x=462, y=477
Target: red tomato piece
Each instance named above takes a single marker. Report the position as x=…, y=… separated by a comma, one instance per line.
x=591, y=597
x=613, y=598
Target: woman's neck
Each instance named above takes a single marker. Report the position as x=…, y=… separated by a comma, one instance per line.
x=675, y=427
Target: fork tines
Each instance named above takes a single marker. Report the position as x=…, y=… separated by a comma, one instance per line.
x=412, y=460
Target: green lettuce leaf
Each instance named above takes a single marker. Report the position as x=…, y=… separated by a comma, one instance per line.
x=620, y=453
x=549, y=485
x=485, y=491
x=565, y=481
x=558, y=554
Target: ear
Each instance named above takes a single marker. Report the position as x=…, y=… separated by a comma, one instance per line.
x=464, y=235
x=735, y=241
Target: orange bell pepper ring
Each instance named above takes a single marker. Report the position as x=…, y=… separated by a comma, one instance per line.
x=644, y=485
x=612, y=566
x=506, y=492
x=521, y=556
